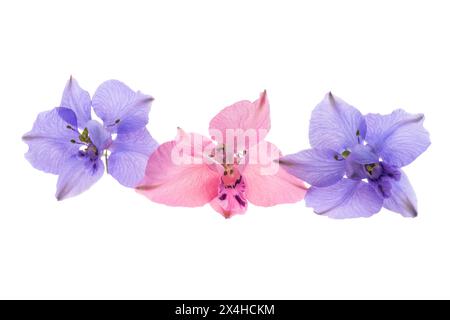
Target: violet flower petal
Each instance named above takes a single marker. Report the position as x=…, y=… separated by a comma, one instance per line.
x=335, y=125
x=78, y=175
x=363, y=154
x=403, y=198
x=68, y=116
x=77, y=99
x=398, y=137
x=318, y=167
x=345, y=199
x=121, y=109
x=49, y=142
x=129, y=156
x=99, y=136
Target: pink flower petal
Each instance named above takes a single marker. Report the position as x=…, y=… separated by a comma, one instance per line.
x=252, y=119
x=188, y=181
x=215, y=204
x=268, y=184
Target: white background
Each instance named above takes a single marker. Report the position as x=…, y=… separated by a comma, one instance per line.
x=196, y=57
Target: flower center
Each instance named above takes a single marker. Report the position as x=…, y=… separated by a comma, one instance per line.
x=381, y=175
x=231, y=176
x=87, y=149
x=231, y=193
x=226, y=158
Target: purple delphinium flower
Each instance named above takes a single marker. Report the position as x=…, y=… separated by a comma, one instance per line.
x=354, y=166
x=65, y=140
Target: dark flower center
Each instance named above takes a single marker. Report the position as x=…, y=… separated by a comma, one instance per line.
x=381, y=175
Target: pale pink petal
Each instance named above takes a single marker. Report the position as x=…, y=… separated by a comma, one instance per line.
x=268, y=184
x=175, y=180
x=195, y=145
x=243, y=123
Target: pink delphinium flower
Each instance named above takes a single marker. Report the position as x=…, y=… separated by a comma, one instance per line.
x=235, y=167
